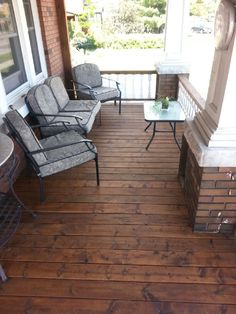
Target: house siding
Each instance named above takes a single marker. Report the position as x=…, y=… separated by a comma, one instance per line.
x=51, y=36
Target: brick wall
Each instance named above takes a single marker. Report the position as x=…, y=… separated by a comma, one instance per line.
x=51, y=37
x=210, y=194
x=167, y=85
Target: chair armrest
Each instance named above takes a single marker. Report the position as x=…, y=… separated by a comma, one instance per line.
x=43, y=150
x=58, y=115
x=50, y=124
x=109, y=79
x=117, y=83
x=75, y=110
x=84, y=85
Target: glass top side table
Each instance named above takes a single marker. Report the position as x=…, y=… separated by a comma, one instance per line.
x=154, y=114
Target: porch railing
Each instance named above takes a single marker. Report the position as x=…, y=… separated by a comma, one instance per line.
x=134, y=84
x=189, y=98
x=142, y=85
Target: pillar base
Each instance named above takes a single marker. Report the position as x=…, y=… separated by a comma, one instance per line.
x=167, y=77
x=208, y=178
x=172, y=66
x=208, y=156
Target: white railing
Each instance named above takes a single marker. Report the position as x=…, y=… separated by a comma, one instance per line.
x=134, y=85
x=189, y=98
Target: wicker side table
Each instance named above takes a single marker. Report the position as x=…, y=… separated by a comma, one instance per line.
x=10, y=205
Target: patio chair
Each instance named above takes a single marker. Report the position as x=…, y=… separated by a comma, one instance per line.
x=65, y=104
x=53, y=154
x=88, y=83
x=44, y=107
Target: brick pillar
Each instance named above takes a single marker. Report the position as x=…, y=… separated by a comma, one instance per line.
x=167, y=85
x=210, y=194
x=51, y=36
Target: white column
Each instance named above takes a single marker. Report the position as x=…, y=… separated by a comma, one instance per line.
x=177, y=21
x=3, y=104
x=212, y=134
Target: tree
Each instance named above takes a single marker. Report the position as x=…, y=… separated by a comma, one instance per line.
x=125, y=18
x=153, y=15
x=157, y=4
x=198, y=8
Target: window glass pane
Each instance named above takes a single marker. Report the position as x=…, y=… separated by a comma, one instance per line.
x=32, y=36
x=11, y=61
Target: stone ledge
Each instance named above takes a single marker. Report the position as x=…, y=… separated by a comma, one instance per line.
x=208, y=156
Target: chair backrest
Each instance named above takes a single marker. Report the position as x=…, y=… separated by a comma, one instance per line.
x=41, y=101
x=24, y=135
x=58, y=89
x=87, y=73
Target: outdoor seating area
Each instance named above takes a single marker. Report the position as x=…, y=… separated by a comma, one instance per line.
x=117, y=157
x=123, y=246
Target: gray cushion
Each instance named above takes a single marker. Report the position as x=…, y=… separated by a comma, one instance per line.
x=86, y=123
x=102, y=93
x=58, y=89
x=87, y=73
x=26, y=135
x=92, y=105
x=66, y=157
x=42, y=101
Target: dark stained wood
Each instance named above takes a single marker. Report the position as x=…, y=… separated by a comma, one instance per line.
x=81, y=306
x=124, y=247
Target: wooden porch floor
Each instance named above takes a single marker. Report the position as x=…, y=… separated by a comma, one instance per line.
x=125, y=247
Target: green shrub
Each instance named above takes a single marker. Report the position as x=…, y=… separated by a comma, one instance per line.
x=147, y=41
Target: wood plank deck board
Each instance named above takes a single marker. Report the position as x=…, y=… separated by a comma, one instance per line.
x=124, y=247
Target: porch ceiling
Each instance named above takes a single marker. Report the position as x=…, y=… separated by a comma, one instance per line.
x=123, y=247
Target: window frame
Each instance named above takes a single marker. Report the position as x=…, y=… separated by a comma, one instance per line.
x=16, y=97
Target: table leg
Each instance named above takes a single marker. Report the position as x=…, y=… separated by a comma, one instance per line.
x=153, y=134
x=173, y=126
x=150, y=123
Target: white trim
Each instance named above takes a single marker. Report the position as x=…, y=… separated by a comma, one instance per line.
x=3, y=107
x=39, y=39
x=16, y=97
x=24, y=38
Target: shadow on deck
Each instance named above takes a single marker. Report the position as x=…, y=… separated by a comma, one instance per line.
x=125, y=247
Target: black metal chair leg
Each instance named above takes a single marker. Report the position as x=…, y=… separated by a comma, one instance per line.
x=120, y=106
x=100, y=116
x=173, y=126
x=20, y=203
x=41, y=190
x=97, y=170
x=2, y=274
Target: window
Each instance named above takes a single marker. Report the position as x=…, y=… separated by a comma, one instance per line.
x=22, y=61
x=32, y=36
x=11, y=60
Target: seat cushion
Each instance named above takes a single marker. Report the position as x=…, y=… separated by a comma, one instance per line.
x=67, y=157
x=103, y=93
x=92, y=105
x=85, y=124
